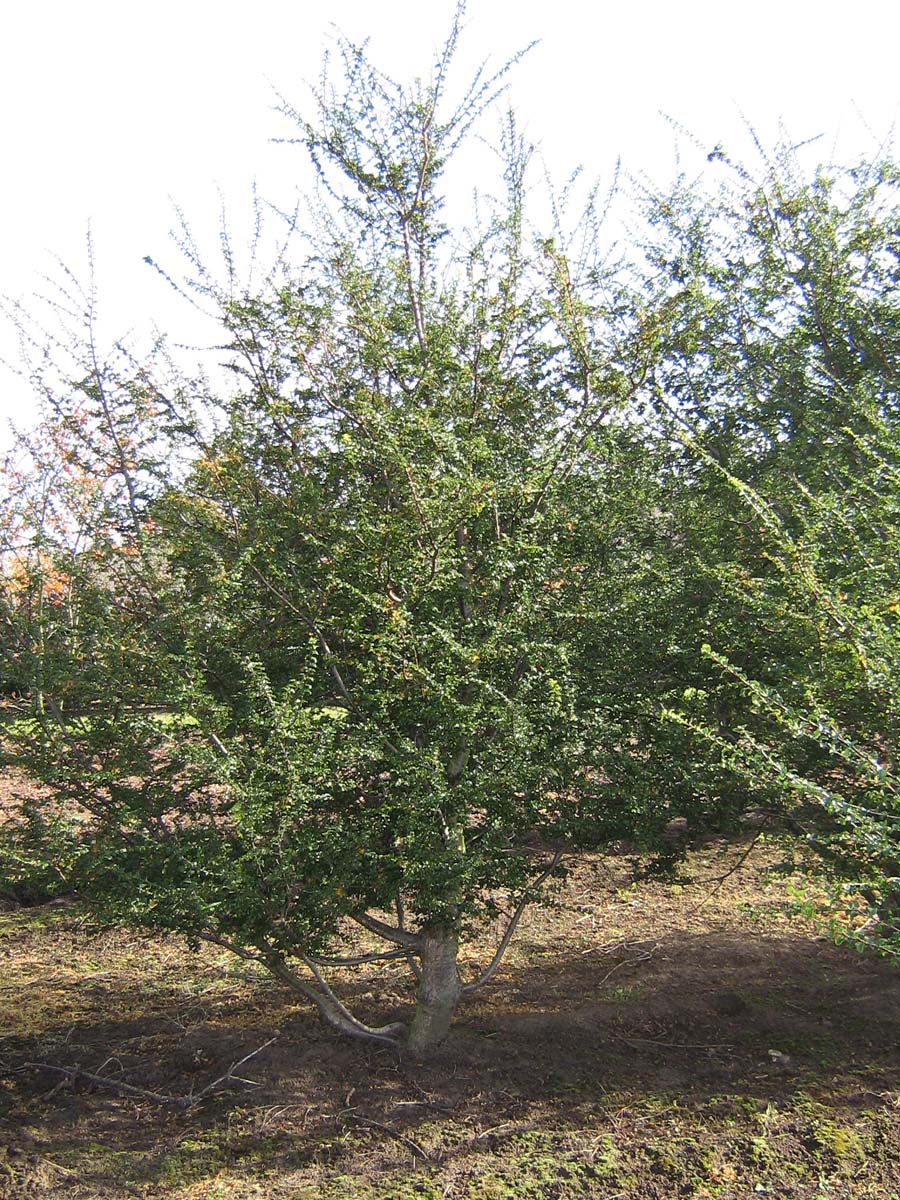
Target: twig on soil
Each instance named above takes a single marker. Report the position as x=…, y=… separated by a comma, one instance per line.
x=425, y=1104
x=614, y=947
x=719, y=880
x=57, y=1087
x=624, y=944
x=638, y=1041
x=123, y=1089
x=627, y=962
x=495, y=1129
x=126, y=1089
x=394, y=1133
x=277, y=1112
x=797, y=1008
x=427, y=1099
x=178, y=1025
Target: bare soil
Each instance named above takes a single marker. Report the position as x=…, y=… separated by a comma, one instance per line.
x=642, y=1040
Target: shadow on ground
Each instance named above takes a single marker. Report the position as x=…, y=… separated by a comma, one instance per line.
x=752, y=1049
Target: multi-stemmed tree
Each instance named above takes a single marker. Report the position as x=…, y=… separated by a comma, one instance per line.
x=333, y=667
x=336, y=674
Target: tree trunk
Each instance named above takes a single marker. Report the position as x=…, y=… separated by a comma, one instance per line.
x=439, y=991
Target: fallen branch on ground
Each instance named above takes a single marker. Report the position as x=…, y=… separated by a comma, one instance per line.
x=126, y=1089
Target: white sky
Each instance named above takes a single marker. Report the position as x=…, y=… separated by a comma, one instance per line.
x=113, y=110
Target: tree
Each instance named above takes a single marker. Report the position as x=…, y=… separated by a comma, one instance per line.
x=338, y=671
x=774, y=317
x=333, y=667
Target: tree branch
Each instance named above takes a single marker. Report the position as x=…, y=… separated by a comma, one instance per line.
x=527, y=897
x=400, y=937
x=358, y=960
x=330, y=1008
x=334, y=1013
x=247, y=955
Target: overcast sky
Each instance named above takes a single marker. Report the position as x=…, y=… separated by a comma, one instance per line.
x=112, y=111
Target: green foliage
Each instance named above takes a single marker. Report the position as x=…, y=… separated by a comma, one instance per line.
x=343, y=645
x=780, y=380
x=368, y=592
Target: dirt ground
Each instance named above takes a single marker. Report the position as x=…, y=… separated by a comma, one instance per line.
x=642, y=1040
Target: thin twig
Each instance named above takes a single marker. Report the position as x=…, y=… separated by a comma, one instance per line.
x=394, y=1133
x=639, y=1041
x=229, y=1075
x=723, y=878
x=124, y=1089
x=627, y=962
x=615, y=947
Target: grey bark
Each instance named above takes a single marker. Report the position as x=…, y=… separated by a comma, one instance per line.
x=439, y=991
